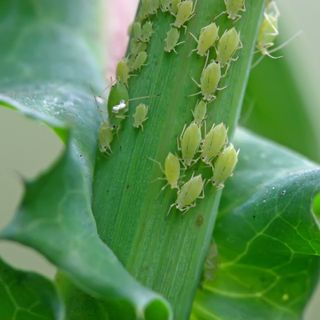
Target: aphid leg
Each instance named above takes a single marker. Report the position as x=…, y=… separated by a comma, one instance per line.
x=198, y=84
x=158, y=163
x=174, y=204
x=219, y=15
x=220, y=89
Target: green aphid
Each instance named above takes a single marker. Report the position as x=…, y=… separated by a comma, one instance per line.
x=171, y=41
x=165, y=5
x=228, y=44
x=174, y=6
x=225, y=165
x=105, y=138
x=146, y=32
x=184, y=14
x=234, y=7
x=122, y=71
x=118, y=104
x=213, y=143
x=138, y=62
x=135, y=48
x=140, y=116
x=200, y=112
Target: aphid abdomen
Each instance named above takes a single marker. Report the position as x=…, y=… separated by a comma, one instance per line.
x=139, y=61
x=172, y=170
x=234, y=7
x=140, y=115
x=171, y=40
x=105, y=138
x=225, y=165
x=200, y=112
x=213, y=142
x=190, y=143
x=122, y=71
x=208, y=37
x=189, y=193
x=209, y=81
x=185, y=11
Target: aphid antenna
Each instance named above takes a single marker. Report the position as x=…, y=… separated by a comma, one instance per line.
x=284, y=44
x=144, y=97
x=219, y=15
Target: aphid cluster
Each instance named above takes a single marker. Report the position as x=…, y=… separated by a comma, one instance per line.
x=200, y=153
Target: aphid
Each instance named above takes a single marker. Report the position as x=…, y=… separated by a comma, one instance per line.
x=227, y=46
x=165, y=5
x=148, y=7
x=171, y=40
x=105, y=138
x=184, y=14
x=234, y=7
x=224, y=166
x=140, y=115
x=138, y=62
x=118, y=103
x=174, y=6
x=209, y=81
x=190, y=140
x=135, y=30
x=135, y=48
x=188, y=194
x=122, y=71
x=213, y=142
x=200, y=112
x=269, y=29
x=171, y=171
x=208, y=36
x=146, y=32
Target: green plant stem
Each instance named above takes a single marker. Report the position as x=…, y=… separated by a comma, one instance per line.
x=167, y=252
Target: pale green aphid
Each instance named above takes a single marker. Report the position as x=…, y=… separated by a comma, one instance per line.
x=209, y=81
x=136, y=47
x=174, y=6
x=165, y=5
x=148, y=7
x=105, y=138
x=234, y=7
x=146, y=32
x=200, y=112
x=269, y=29
x=207, y=38
x=140, y=115
x=190, y=140
x=228, y=44
x=188, y=194
x=171, y=171
x=122, y=71
x=139, y=61
x=224, y=166
x=135, y=30
x=184, y=14
x=171, y=41
x=213, y=142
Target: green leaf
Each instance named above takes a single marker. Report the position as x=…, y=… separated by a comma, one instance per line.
x=27, y=296
x=48, y=65
x=267, y=238
x=130, y=208
x=276, y=105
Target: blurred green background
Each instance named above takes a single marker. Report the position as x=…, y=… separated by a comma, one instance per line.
x=27, y=148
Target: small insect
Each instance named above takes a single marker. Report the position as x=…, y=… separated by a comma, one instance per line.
x=135, y=30
x=135, y=48
x=118, y=103
x=224, y=166
x=207, y=38
x=148, y=7
x=171, y=41
x=209, y=81
x=139, y=61
x=184, y=14
x=233, y=9
x=269, y=29
x=122, y=71
x=140, y=115
x=200, y=112
x=227, y=46
x=165, y=5
x=190, y=140
x=105, y=138
x=213, y=142
x=174, y=6
x=188, y=194
x=146, y=32
x=171, y=171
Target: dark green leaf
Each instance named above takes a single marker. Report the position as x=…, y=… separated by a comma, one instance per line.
x=267, y=238
x=27, y=296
